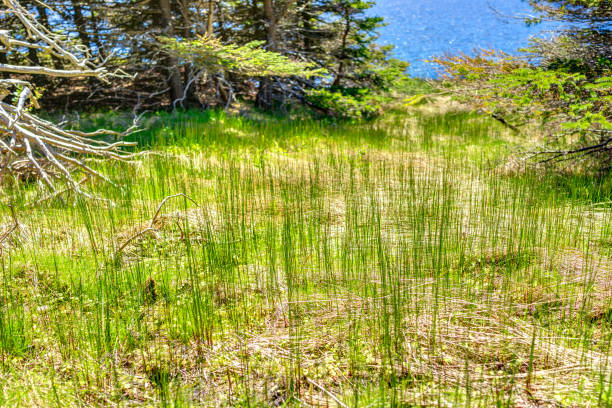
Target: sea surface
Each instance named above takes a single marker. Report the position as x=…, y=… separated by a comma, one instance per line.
x=420, y=29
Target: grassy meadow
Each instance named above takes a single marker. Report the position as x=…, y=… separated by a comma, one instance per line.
x=405, y=262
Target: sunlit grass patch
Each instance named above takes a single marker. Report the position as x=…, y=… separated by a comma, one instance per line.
x=390, y=263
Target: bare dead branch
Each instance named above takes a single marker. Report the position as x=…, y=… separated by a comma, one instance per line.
x=151, y=226
x=30, y=145
x=12, y=228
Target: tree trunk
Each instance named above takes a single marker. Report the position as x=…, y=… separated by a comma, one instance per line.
x=174, y=81
x=305, y=17
x=44, y=19
x=189, y=97
x=264, y=94
x=272, y=25
x=210, y=17
x=347, y=31
x=273, y=16
x=79, y=23
x=96, y=36
x=33, y=57
x=3, y=60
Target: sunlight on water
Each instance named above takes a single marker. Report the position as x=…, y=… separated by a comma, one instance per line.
x=421, y=29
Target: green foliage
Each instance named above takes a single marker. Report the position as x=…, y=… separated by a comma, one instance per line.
x=584, y=45
x=589, y=11
x=346, y=103
x=582, y=104
x=333, y=40
x=382, y=72
x=565, y=99
x=371, y=83
x=249, y=59
x=569, y=88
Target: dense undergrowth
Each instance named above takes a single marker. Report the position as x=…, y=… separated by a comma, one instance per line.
x=402, y=262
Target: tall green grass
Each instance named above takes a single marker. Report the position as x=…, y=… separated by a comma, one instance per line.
x=393, y=263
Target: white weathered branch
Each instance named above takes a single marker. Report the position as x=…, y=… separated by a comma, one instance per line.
x=66, y=73
x=30, y=145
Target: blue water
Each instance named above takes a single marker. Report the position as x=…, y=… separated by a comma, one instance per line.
x=421, y=29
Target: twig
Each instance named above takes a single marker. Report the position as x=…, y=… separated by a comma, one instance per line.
x=328, y=393
x=151, y=226
x=604, y=203
x=57, y=193
x=13, y=227
x=504, y=122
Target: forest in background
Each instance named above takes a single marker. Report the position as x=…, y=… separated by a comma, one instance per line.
x=334, y=39
x=278, y=54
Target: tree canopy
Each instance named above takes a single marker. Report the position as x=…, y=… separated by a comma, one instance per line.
x=208, y=52
x=565, y=82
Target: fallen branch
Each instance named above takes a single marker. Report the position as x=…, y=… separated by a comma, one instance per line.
x=31, y=147
x=12, y=229
x=56, y=194
x=504, y=122
x=605, y=145
x=151, y=226
x=328, y=393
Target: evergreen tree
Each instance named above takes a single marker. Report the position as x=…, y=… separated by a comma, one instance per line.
x=585, y=43
x=337, y=36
